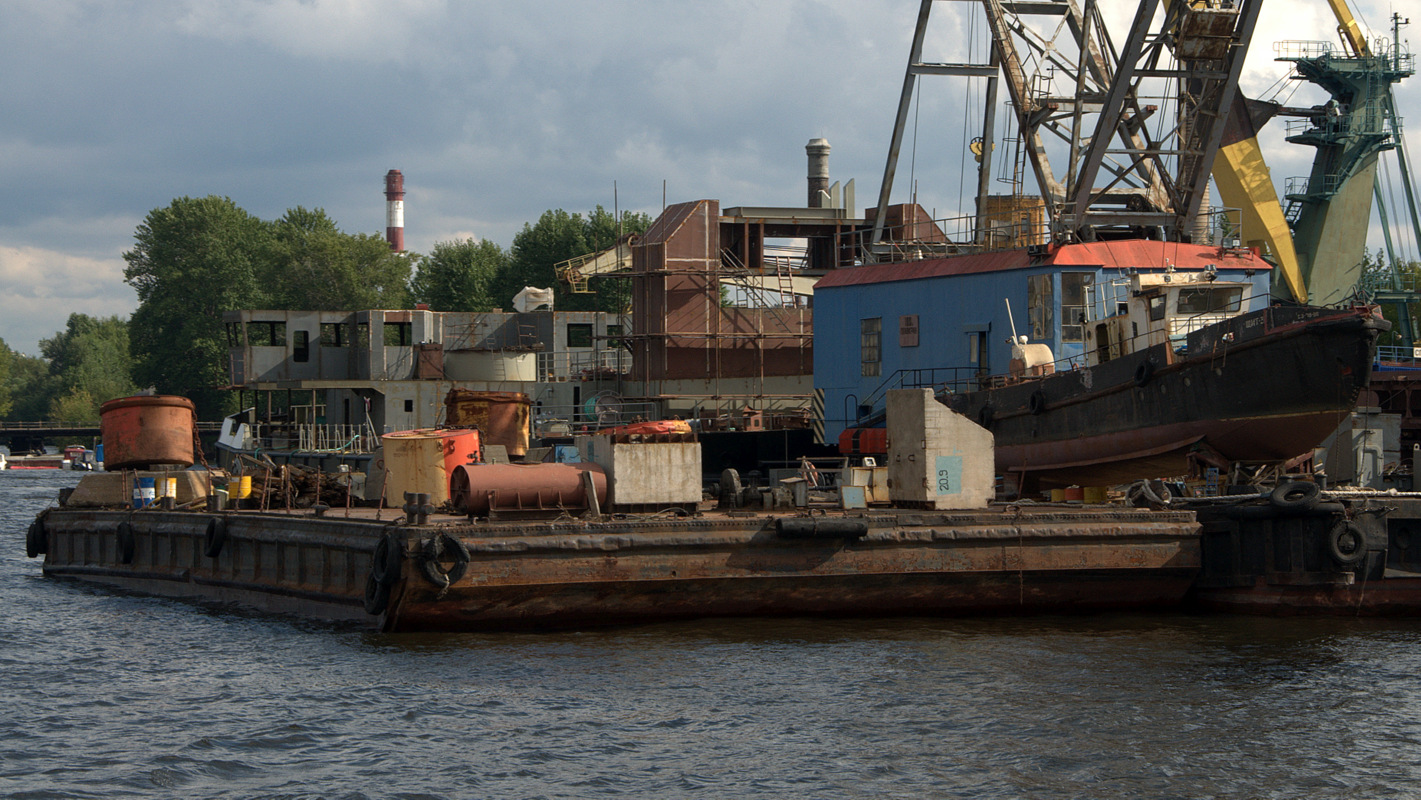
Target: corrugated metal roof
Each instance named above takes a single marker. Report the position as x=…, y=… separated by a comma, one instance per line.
x=1130, y=253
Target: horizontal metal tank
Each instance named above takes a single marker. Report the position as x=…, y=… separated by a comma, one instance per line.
x=477, y=488
x=147, y=431
x=423, y=461
x=502, y=417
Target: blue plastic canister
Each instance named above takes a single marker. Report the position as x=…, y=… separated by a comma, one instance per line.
x=144, y=490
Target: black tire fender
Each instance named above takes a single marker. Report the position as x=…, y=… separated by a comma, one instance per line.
x=1144, y=372
x=37, y=539
x=1346, y=543
x=984, y=417
x=126, y=543
x=377, y=596
x=214, y=537
x=437, y=549
x=1295, y=495
x=385, y=561
x=1037, y=404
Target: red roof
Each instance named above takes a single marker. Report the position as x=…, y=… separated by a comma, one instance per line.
x=1128, y=253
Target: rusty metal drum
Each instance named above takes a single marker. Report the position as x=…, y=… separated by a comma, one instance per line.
x=146, y=432
x=502, y=417
x=478, y=488
x=424, y=460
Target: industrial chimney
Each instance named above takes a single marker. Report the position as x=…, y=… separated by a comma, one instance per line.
x=818, y=150
x=395, y=210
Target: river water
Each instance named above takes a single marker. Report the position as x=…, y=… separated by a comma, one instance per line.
x=109, y=695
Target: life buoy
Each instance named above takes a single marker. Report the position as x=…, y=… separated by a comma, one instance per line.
x=1037, y=403
x=126, y=544
x=214, y=537
x=1144, y=372
x=37, y=539
x=435, y=550
x=1295, y=495
x=1346, y=543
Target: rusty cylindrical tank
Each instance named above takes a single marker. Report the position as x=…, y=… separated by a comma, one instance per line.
x=143, y=432
x=502, y=417
x=477, y=488
x=424, y=460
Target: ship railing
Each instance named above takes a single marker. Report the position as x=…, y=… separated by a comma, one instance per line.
x=583, y=364
x=1294, y=49
x=935, y=238
x=591, y=416
x=1399, y=355
x=357, y=439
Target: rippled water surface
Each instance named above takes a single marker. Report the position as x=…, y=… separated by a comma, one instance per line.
x=109, y=695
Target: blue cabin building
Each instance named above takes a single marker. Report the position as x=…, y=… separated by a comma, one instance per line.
x=950, y=321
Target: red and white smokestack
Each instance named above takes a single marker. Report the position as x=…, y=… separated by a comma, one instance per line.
x=395, y=210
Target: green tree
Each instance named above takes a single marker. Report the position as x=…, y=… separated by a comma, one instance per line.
x=6, y=356
x=89, y=364
x=313, y=266
x=558, y=236
x=31, y=387
x=190, y=262
x=460, y=276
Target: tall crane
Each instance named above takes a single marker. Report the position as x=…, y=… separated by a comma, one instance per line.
x=1085, y=112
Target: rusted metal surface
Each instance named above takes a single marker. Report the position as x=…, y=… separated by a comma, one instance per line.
x=481, y=488
x=142, y=432
x=455, y=575
x=1354, y=554
x=501, y=417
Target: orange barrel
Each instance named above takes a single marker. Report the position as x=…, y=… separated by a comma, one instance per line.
x=502, y=417
x=863, y=442
x=144, y=432
x=422, y=460
x=477, y=488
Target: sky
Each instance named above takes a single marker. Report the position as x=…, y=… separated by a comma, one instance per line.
x=495, y=111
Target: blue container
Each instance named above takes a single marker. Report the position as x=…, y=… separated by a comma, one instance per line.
x=144, y=490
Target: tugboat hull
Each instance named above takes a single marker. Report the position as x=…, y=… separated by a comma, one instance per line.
x=1264, y=386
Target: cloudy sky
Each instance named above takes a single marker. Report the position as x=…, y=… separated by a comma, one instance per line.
x=494, y=110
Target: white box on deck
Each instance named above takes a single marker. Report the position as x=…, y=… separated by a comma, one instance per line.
x=937, y=458
x=644, y=473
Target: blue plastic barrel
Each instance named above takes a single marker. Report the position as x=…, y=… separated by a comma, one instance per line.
x=144, y=490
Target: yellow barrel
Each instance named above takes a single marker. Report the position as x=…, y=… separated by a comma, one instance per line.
x=1058, y=495
x=423, y=461
x=1095, y=495
x=244, y=487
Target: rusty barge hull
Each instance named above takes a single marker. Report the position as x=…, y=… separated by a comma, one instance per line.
x=453, y=575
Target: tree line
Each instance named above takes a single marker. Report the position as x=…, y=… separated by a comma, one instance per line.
x=196, y=258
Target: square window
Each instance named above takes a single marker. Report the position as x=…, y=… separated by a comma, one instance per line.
x=579, y=334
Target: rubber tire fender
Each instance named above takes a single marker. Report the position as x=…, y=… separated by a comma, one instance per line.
x=214, y=537
x=126, y=543
x=1346, y=529
x=377, y=596
x=1144, y=372
x=1037, y=404
x=386, y=559
x=37, y=539
x=435, y=549
x=1295, y=495
x=984, y=417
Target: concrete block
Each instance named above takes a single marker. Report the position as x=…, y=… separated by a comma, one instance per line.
x=937, y=458
x=646, y=473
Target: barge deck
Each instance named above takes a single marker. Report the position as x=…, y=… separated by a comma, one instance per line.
x=453, y=574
